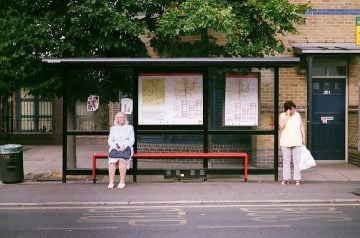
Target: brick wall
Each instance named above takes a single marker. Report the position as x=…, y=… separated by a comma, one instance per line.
x=354, y=79
x=354, y=66
x=327, y=21
x=334, y=4
x=292, y=87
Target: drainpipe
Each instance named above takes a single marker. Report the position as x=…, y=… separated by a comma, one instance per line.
x=309, y=60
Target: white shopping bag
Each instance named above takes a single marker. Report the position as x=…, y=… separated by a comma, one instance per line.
x=306, y=159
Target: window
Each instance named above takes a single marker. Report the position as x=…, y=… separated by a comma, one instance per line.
x=328, y=68
x=32, y=113
x=337, y=70
x=319, y=71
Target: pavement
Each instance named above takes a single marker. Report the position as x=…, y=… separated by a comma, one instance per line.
x=329, y=182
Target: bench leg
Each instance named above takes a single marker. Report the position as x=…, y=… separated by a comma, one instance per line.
x=134, y=169
x=94, y=169
x=246, y=168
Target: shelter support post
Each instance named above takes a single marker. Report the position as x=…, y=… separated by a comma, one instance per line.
x=64, y=129
x=276, y=124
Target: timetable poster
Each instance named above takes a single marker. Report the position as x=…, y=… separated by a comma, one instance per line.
x=241, y=99
x=170, y=99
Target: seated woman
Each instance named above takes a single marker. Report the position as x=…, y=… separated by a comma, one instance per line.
x=121, y=136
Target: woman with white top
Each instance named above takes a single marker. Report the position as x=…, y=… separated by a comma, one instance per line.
x=121, y=136
x=292, y=136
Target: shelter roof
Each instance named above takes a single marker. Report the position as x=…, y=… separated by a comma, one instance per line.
x=326, y=48
x=268, y=62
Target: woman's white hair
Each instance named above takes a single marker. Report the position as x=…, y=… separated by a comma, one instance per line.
x=117, y=115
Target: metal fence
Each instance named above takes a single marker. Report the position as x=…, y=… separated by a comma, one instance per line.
x=6, y=112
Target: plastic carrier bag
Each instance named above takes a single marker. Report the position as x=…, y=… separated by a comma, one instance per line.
x=306, y=160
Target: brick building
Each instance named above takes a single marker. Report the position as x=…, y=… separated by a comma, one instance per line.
x=327, y=81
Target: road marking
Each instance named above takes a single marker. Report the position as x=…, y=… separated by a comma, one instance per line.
x=158, y=222
x=281, y=214
x=77, y=228
x=60, y=206
x=243, y=226
x=154, y=216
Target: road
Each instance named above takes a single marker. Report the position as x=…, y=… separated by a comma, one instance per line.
x=210, y=221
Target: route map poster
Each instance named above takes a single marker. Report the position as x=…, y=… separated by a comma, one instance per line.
x=241, y=100
x=170, y=99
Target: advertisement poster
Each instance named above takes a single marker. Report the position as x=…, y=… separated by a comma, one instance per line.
x=241, y=100
x=92, y=103
x=126, y=105
x=170, y=99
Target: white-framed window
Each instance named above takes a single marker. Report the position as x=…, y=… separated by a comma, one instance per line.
x=33, y=114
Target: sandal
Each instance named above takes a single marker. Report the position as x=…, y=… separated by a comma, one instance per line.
x=284, y=182
x=297, y=182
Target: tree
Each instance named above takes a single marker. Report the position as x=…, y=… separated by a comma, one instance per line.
x=31, y=30
x=53, y=28
x=226, y=28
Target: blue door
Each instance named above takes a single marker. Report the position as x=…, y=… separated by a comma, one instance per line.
x=328, y=119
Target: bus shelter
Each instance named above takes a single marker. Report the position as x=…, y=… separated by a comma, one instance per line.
x=188, y=104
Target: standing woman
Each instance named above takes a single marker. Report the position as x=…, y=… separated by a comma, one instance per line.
x=292, y=136
x=121, y=136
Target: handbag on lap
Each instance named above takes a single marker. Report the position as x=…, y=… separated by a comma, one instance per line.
x=125, y=154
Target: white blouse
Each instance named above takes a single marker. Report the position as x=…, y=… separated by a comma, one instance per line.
x=291, y=134
x=121, y=135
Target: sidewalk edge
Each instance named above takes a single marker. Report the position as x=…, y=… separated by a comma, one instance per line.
x=186, y=203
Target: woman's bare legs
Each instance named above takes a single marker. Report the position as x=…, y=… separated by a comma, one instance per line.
x=122, y=171
x=112, y=169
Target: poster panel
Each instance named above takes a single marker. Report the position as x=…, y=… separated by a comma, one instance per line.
x=241, y=99
x=170, y=99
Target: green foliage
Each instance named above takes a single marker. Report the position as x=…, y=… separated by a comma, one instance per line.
x=105, y=28
x=32, y=30
x=249, y=27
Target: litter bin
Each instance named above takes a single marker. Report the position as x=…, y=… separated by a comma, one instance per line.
x=11, y=163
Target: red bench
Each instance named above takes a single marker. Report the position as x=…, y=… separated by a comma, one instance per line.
x=176, y=155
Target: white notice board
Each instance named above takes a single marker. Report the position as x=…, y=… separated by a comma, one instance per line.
x=241, y=99
x=170, y=99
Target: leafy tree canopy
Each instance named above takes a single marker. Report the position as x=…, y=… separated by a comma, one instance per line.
x=31, y=30
x=227, y=28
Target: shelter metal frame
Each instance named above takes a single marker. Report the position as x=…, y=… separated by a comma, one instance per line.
x=200, y=64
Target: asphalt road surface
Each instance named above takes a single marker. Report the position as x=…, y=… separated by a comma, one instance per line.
x=210, y=221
